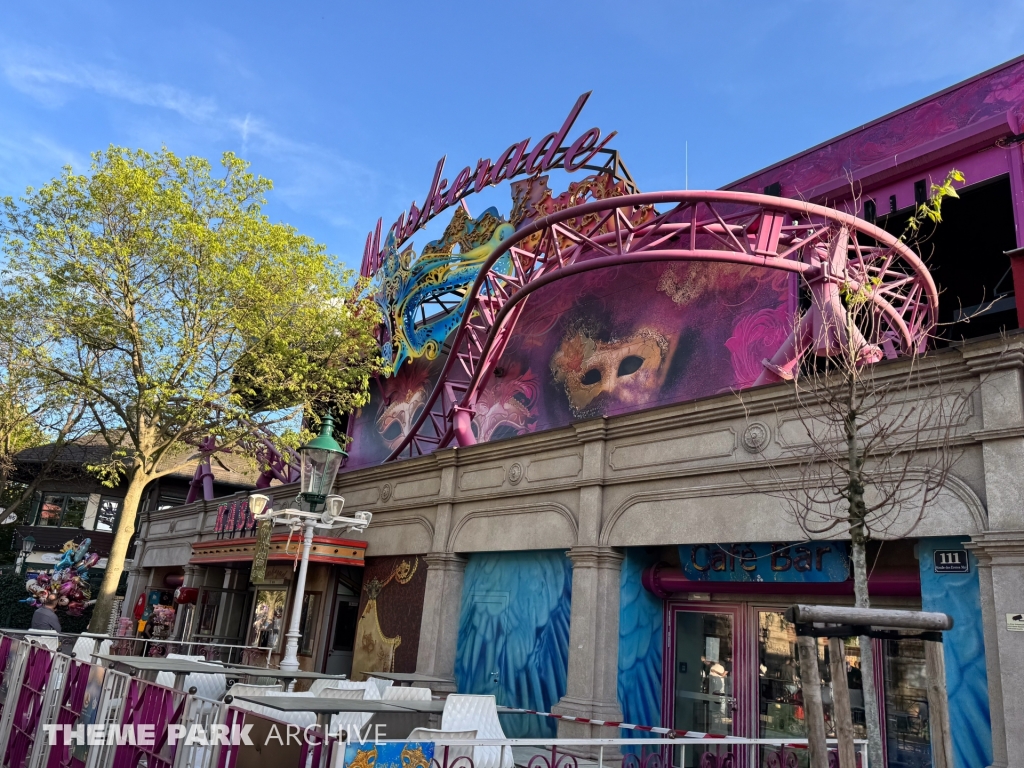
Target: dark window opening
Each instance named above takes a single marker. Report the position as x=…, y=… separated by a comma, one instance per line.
x=965, y=254
x=62, y=510
x=345, y=627
x=920, y=192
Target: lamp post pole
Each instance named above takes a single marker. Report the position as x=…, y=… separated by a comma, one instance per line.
x=321, y=458
x=290, y=662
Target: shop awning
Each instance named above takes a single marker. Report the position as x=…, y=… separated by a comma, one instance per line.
x=325, y=549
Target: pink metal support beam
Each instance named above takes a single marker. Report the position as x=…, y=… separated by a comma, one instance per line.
x=816, y=244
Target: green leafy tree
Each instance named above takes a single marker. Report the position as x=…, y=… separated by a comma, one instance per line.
x=34, y=411
x=161, y=294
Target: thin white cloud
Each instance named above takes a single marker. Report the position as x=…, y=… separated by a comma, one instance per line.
x=24, y=157
x=318, y=180
x=50, y=81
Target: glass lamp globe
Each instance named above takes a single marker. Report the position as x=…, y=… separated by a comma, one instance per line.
x=321, y=459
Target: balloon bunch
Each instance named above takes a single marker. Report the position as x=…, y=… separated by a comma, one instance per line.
x=68, y=582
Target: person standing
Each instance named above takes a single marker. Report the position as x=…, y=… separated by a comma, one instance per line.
x=45, y=616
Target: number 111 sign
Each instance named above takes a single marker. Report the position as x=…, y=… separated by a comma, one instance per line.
x=951, y=561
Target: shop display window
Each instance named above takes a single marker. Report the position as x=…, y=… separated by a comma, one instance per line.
x=731, y=663
x=780, y=698
x=268, y=619
x=220, y=615
x=908, y=743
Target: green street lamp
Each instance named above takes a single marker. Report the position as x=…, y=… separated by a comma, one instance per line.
x=321, y=459
x=28, y=543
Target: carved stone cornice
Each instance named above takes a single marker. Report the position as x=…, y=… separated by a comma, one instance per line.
x=1004, y=433
x=595, y=557
x=986, y=359
x=589, y=431
x=998, y=548
x=447, y=458
x=445, y=561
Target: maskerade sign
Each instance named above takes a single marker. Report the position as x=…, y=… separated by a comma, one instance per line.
x=521, y=158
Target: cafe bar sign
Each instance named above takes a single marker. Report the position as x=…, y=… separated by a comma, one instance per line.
x=812, y=561
x=519, y=159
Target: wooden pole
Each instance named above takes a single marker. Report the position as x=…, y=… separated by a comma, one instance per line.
x=814, y=713
x=938, y=705
x=841, y=711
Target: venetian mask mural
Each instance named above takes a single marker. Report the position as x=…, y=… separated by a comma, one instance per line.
x=506, y=408
x=598, y=343
x=403, y=398
x=628, y=371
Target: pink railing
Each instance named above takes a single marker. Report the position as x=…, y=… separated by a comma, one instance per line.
x=42, y=688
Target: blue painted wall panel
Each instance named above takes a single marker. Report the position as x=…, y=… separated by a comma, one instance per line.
x=641, y=638
x=514, y=633
x=966, y=679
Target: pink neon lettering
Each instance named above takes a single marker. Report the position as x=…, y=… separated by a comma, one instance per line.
x=428, y=201
x=539, y=153
x=585, y=144
x=549, y=156
x=483, y=171
x=459, y=186
x=413, y=222
x=504, y=162
x=437, y=202
x=512, y=162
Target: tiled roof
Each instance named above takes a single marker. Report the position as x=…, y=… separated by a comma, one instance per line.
x=228, y=469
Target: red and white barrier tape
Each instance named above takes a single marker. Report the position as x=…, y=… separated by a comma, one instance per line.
x=670, y=733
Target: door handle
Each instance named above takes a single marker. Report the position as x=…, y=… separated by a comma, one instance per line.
x=494, y=677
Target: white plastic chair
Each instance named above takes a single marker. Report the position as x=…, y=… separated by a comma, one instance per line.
x=463, y=712
x=355, y=694
x=88, y=643
x=372, y=692
x=441, y=738
x=301, y=719
x=324, y=683
x=401, y=693
x=208, y=686
x=382, y=684
x=44, y=637
x=348, y=720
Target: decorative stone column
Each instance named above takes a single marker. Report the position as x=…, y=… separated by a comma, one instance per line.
x=1000, y=548
x=439, y=627
x=193, y=575
x=1001, y=574
x=592, y=685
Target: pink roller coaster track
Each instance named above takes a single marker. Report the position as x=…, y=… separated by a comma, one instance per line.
x=818, y=244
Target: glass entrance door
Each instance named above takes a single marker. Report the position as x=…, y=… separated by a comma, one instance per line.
x=706, y=666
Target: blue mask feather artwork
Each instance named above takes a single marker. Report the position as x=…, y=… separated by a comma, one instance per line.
x=406, y=283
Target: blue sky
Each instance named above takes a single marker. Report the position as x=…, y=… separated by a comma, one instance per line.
x=348, y=106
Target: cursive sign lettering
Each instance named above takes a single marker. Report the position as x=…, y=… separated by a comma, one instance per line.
x=518, y=159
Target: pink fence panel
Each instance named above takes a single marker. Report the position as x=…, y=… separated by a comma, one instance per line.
x=153, y=705
x=69, y=709
x=25, y=723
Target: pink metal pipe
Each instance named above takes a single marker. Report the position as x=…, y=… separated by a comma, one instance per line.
x=462, y=427
x=664, y=581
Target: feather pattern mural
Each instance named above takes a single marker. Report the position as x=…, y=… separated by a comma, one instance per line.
x=641, y=623
x=514, y=633
x=958, y=594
